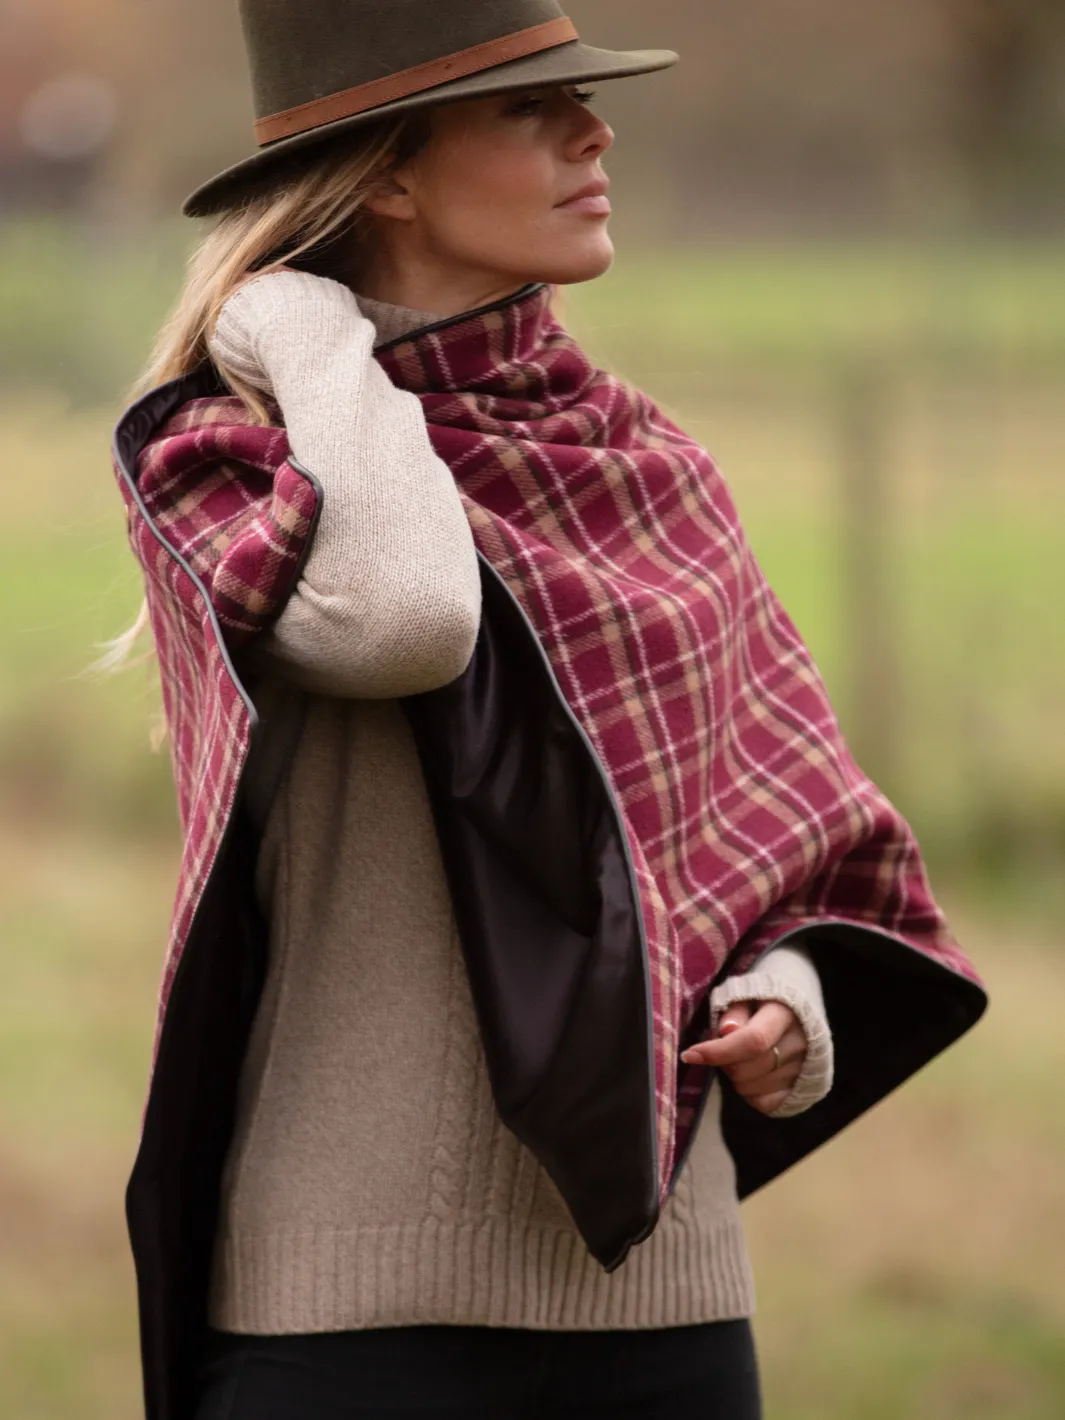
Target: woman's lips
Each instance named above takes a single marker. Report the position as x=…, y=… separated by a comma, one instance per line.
x=595, y=206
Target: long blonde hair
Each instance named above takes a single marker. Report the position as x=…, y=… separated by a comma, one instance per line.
x=308, y=219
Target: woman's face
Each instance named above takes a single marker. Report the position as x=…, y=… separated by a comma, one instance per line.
x=507, y=189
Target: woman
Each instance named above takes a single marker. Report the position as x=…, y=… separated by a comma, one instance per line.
x=525, y=866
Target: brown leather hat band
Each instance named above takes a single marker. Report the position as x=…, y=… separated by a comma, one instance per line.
x=413, y=81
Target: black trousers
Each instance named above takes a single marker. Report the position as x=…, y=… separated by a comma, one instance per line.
x=706, y=1372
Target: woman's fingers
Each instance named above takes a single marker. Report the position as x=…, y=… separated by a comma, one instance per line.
x=782, y=1079
x=734, y=1018
x=768, y=1103
x=768, y=1025
x=792, y=1048
x=761, y=1048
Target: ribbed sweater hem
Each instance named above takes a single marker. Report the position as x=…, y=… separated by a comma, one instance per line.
x=493, y=1274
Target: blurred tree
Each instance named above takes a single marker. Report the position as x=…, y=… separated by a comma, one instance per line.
x=1008, y=57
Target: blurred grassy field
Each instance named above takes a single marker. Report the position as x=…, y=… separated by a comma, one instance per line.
x=915, y=1267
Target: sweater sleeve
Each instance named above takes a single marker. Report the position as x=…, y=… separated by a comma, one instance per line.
x=388, y=603
x=788, y=975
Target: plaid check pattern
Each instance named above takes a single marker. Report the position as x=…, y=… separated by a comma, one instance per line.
x=235, y=517
x=746, y=815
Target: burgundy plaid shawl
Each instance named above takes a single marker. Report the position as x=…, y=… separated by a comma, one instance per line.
x=218, y=490
x=746, y=815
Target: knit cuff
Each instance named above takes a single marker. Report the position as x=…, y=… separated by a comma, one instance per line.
x=788, y=975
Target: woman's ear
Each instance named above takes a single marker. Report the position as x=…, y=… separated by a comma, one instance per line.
x=392, y=197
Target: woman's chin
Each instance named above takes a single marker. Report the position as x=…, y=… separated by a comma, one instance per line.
x=569, y=267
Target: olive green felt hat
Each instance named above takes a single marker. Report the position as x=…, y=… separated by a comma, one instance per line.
x=321, y=67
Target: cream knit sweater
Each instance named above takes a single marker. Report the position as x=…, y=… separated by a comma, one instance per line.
x=370, y=1181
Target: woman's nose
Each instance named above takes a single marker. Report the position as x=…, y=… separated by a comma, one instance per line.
x=592, y=136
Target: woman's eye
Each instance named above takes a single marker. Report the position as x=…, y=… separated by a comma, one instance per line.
x=532, y=104
x=527, y=106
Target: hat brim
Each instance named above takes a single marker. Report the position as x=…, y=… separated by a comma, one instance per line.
x=572, y=63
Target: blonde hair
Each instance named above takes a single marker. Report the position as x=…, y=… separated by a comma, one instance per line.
x=310, y=219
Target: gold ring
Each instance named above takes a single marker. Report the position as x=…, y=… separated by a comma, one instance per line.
x=776, y=1057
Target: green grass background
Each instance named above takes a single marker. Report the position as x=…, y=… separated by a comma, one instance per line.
x=914, y=1267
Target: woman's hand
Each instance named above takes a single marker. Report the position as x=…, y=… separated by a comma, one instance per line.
x=264, y=321
x=744, y=1049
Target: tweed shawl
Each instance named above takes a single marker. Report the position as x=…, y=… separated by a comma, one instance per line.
x=746, y=816
x=216, y=491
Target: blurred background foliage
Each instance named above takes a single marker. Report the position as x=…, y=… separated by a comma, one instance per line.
x=841, y=265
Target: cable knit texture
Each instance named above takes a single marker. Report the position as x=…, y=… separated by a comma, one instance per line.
x=370, y=1181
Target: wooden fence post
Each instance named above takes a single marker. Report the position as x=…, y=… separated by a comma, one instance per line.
x=871, y=610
